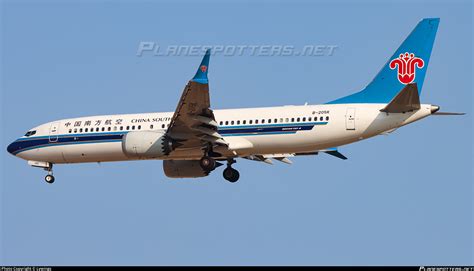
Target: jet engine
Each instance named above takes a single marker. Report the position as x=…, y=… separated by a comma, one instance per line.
x=146, y=144
x=183, y=169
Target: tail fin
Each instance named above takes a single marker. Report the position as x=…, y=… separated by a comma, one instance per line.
x=407, y=65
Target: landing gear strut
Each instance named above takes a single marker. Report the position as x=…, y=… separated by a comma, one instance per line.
x=49, y=178
x=231, y=174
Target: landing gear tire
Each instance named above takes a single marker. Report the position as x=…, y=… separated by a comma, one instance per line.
x=231, y=175
x=49, y=178
x=207, y=163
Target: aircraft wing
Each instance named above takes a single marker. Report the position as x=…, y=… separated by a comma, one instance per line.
x=193, y=124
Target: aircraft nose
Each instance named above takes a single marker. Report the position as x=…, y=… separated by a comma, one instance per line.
x=11, y=148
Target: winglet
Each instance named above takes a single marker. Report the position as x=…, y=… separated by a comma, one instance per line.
x=201, y=74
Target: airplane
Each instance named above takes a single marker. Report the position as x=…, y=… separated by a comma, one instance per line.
x=195, y=139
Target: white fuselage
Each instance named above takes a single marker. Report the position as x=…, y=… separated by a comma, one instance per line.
x=271, y=130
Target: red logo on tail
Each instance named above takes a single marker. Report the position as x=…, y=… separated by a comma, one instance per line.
x=406, y=67
x=203, y=68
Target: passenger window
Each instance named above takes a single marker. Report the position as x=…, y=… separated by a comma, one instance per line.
x=309, y=119
x=238, y=122
x=263, y=121
x=250, y=121
x=110, y=128
x=75, y=130
x=327, y=118
x=121, y=128
x=80, y=130
x=115, y=128
x=70, y=130
x=304, y=119
x=87, y=130
x=320, y=118
x=133, y=127
x=281, y=120
x=287, y=120
x=244, y=122
x=226, y=122
x=256, y=121
x=97, y=129
x=220, y=123
x=292, y=119
x=232, y=122
x=269, y=120
x=163, y=126
x=151, y=126
x=139, y=127
x=298, y=120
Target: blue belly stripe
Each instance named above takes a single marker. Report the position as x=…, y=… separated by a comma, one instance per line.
x=41, y=142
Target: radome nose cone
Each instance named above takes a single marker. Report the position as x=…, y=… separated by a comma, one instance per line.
x=434, y=109
x=11, y=148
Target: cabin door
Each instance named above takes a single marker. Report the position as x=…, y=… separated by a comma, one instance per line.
x=53, y=132
x=350, y=119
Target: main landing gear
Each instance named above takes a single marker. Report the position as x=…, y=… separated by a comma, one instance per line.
x=230, y=174
x=207, y=163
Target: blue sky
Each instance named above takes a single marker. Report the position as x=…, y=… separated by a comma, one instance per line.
x=402, y=199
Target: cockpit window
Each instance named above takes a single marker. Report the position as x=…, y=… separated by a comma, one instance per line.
x=30, y=133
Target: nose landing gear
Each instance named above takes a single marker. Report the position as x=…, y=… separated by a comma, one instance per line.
x=49, y=178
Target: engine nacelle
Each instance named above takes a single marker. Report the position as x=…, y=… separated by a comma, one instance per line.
x=146, y=144
x=183, y=169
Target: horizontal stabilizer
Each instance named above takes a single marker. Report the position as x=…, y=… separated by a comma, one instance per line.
x=406, y=100
x=334, y=152
x=337, y=154
x=448, y=114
